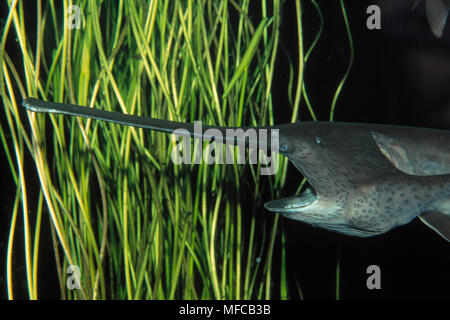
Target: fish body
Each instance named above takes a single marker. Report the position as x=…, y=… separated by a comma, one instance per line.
x=365, y=179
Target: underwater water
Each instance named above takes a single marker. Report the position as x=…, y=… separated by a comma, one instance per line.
x=400, y=75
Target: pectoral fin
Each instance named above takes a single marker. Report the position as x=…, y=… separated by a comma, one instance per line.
x=439, y=222
x=437, y=13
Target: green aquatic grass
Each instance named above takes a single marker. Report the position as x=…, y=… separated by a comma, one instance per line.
x=136, y=225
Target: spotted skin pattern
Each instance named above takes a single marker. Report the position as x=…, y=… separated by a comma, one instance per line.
x=368, y=179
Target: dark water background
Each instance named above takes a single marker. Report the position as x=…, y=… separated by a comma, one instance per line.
x=401, y=75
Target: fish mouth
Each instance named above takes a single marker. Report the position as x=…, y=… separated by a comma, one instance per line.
x=292, y=204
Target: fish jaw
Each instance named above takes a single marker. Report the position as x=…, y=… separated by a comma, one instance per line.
x=305, y=207
x=292, y=204
x=320, y=213
x=309, y=207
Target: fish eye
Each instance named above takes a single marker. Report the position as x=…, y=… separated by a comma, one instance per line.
x=284, y=147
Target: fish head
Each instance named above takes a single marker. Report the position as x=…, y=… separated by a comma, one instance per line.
x=338, y=160
x=307, y=146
